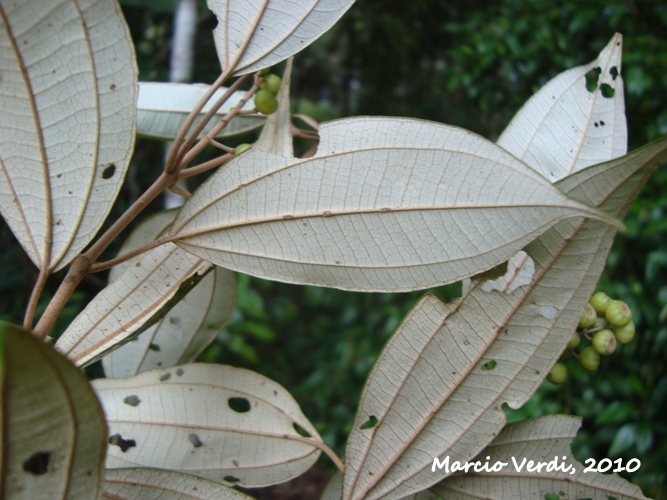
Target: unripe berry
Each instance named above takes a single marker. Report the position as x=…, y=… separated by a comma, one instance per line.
x=604, y=342
x=600, y=301
x=271, y=83
x=589, y=358
x=265, y=71
x=618, y=313
x=574, y=341
x=588, y=317
x=241, y=148
x=625, y=334
x=558, y=374
x=265, y=102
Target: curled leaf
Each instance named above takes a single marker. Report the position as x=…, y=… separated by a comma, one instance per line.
x=163, y=107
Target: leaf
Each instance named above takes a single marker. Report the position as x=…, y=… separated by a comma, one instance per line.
x=53, y=435
x=517, y=337
x=334, y=490
x=67, y=131
x=139, y=297
x=223, y=423
x=276, y=136
x=163, y=107
x=180, y=335
x=568, y=125
x=385, y=205
x=254, y=35
x=520, y=272
x=137, y=484
x=544, y=439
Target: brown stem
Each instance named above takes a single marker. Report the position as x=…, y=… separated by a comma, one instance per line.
x=172, y=158
x=108, y=264
x=193, y=151
x=34, y=298
x=175, y=188
x=82, y=264
x=204, y=167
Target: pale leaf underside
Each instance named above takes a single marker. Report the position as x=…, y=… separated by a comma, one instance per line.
x=545, y=439
x=68, y=121
x=438, y=386
x=385, y=205
x=255, y=35
x=213, y=421
x=163, y=107
x=142, y=483
x=181, y=334
x=565, y=126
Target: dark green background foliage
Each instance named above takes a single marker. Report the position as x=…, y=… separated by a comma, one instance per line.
x=469, y=63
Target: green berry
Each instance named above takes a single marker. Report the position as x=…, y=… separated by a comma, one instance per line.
x=604, y=342
x=618, y=313
x=271, y=83
x=600, y=301
x=589, y=358
x=241, y=148
x=574, y=341
x=265, y=71
x=588, y=317
x=625, y=334
x=265, y=102
x=558, y=374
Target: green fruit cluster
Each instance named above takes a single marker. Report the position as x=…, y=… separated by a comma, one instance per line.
x=605, y=323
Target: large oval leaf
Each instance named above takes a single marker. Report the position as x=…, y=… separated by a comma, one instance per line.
x=53, y=437
x=179, y=336
x=485, y=349
x=575, y=120
x=138, y=484
x=256, y=34
x=163, y=107
x=218, y=422
x=68, y=101
x=385, y=205
x=544, y=439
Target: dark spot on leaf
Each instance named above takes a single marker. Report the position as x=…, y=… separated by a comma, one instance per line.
x=123, y=444
x=239, y=405
x=607, y=90
x=596, y=124
x=180, y=372
x=231, y=479
x=165, y=377
x=489, y=365
x=108, y=172
x=154, y=347
x=592, y=79
x=613, y=72
x=112, y=87
x=275, y=393
x=175, y=320
x=301, y=431
x=601, y=123
x=38, y=463
x=132, y=400
x=194, y=439
x=159, y=363
x=370, y=423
